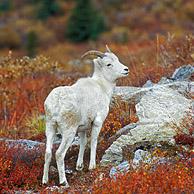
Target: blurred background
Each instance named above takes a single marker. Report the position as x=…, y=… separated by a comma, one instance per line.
x=57, y=28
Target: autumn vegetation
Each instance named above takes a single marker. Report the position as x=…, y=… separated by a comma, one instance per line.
x=152, y=39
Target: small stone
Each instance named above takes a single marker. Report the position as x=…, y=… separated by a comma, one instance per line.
x=68, y=171
x=172, y=141
x=53, y=170
x=141, y=156
x=148, y=84
x=121, y=168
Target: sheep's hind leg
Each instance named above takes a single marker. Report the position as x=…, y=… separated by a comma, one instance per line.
x=67, y=138
x=50, y=132
x=83, y=142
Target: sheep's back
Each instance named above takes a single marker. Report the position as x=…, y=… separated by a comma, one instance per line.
x=61, y=104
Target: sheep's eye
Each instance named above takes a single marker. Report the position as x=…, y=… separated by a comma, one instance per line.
x=108, y=64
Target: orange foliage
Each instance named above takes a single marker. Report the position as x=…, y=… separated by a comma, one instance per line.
x=166, y=178
x=25, y=96
x=25, y=83
x=119, y=116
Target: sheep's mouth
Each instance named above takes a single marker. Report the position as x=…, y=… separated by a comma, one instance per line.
x=125, y=73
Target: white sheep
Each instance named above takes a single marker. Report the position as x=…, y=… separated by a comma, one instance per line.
x=77, y=108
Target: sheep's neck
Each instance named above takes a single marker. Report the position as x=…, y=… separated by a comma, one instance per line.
x=106, y=85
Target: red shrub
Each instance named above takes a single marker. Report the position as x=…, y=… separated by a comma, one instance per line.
x=20, y=167
x=26, y=96
x=184, y=139
x=119, y=116
x=172, y=178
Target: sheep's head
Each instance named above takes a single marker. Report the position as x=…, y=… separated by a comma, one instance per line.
x=108, y=64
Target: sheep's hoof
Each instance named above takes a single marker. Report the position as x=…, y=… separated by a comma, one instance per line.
x=79, y=167
x=92, y=167
x=44, y=182
x=64, y=185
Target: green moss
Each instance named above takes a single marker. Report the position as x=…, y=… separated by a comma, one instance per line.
x=36, y=123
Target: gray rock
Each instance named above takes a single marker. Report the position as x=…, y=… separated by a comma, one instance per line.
x=134, y=94
x=141, y=156
x=162, y=105
x=160, y=109
x=153, y=161
x=58, y=138
x=53, y=170
x=68, y=171
x=142, y=133
x=183, y=73
x=180, y=74
x=165, y=80
x=28, y=144
x=148, y=84
x=121, y=168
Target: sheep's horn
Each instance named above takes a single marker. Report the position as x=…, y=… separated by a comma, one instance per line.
x=93, y=52
x=107, y=48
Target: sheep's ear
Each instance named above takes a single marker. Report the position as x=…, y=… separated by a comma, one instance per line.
x=107, y=48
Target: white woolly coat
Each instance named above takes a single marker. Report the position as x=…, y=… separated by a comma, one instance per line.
x=79, y=104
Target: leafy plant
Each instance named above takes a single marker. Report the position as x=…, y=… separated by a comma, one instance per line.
x=36, y=123
x=5, y=5
x=85, y=22
x=32, y=43
x=48, y=8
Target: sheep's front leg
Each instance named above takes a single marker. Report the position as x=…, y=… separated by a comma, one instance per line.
x=83, y=142
x=97, y=125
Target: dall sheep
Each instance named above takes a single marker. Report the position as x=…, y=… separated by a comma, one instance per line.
x=77, y=108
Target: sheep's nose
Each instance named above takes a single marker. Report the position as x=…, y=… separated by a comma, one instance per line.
x=126, y=69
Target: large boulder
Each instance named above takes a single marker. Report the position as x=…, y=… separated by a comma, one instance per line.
x=162, y=105
x=161, y=110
